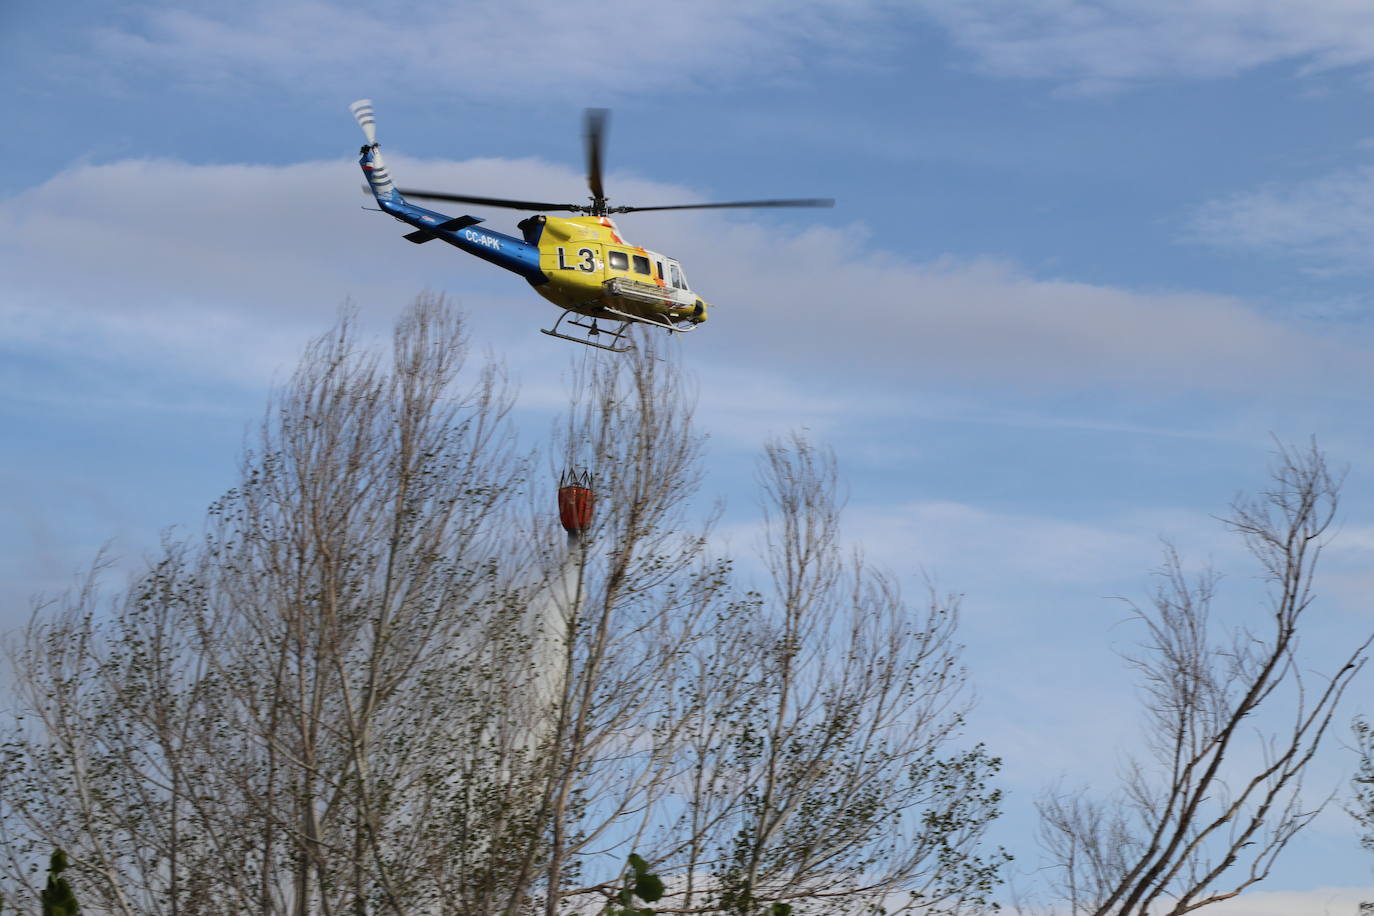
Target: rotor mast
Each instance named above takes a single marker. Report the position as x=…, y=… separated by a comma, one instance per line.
x=594, y=132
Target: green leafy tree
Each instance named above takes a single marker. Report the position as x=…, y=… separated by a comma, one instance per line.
x=638, y=885
x=58, y=899
x=1361, y=806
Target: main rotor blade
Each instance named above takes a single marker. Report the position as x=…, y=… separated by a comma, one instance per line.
x=790, y=202
x=491, y=201
x=594, y=130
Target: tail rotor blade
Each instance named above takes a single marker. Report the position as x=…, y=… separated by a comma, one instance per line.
x=595, y=132
x=362, y=113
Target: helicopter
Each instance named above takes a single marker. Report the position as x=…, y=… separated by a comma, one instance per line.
x=582, y=264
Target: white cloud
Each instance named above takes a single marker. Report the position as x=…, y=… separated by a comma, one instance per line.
x=1033, y=550
x=559, y=51
x=1001, y=556
x=1111, y=43
x=136, y=257
x=1328, y=221
x=1322, y=901
x=828, y=295
x=506, y=51
x=157, y=261
x=492, y=51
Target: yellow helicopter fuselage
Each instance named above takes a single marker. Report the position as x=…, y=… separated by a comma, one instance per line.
x=592, y=270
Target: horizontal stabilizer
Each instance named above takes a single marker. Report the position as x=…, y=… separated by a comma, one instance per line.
x=420, y=236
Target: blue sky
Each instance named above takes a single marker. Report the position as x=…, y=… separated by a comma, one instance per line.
x=1087, y=259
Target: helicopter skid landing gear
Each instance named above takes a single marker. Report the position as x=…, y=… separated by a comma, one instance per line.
x=663, y=322
x=619, y=340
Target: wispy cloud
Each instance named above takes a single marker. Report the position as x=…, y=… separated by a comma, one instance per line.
x=565, y=54
x=183, y=259
x=1038, y=551
x=566, y=51
x=1115, y=43
x=1327, y=222
x=1321, y=901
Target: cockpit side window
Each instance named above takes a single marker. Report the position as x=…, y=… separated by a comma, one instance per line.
x=677, y=276
x=659, y=265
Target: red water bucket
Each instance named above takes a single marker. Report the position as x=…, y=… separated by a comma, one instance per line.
x=575, y=501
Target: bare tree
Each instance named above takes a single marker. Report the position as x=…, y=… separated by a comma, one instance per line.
x=793, y=747
x=828, y=770
x=1208, y=812
x=294, y=714
x=381, y=682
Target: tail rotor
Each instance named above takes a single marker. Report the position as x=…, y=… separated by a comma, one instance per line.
x=378, y=179
x=362, y=113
